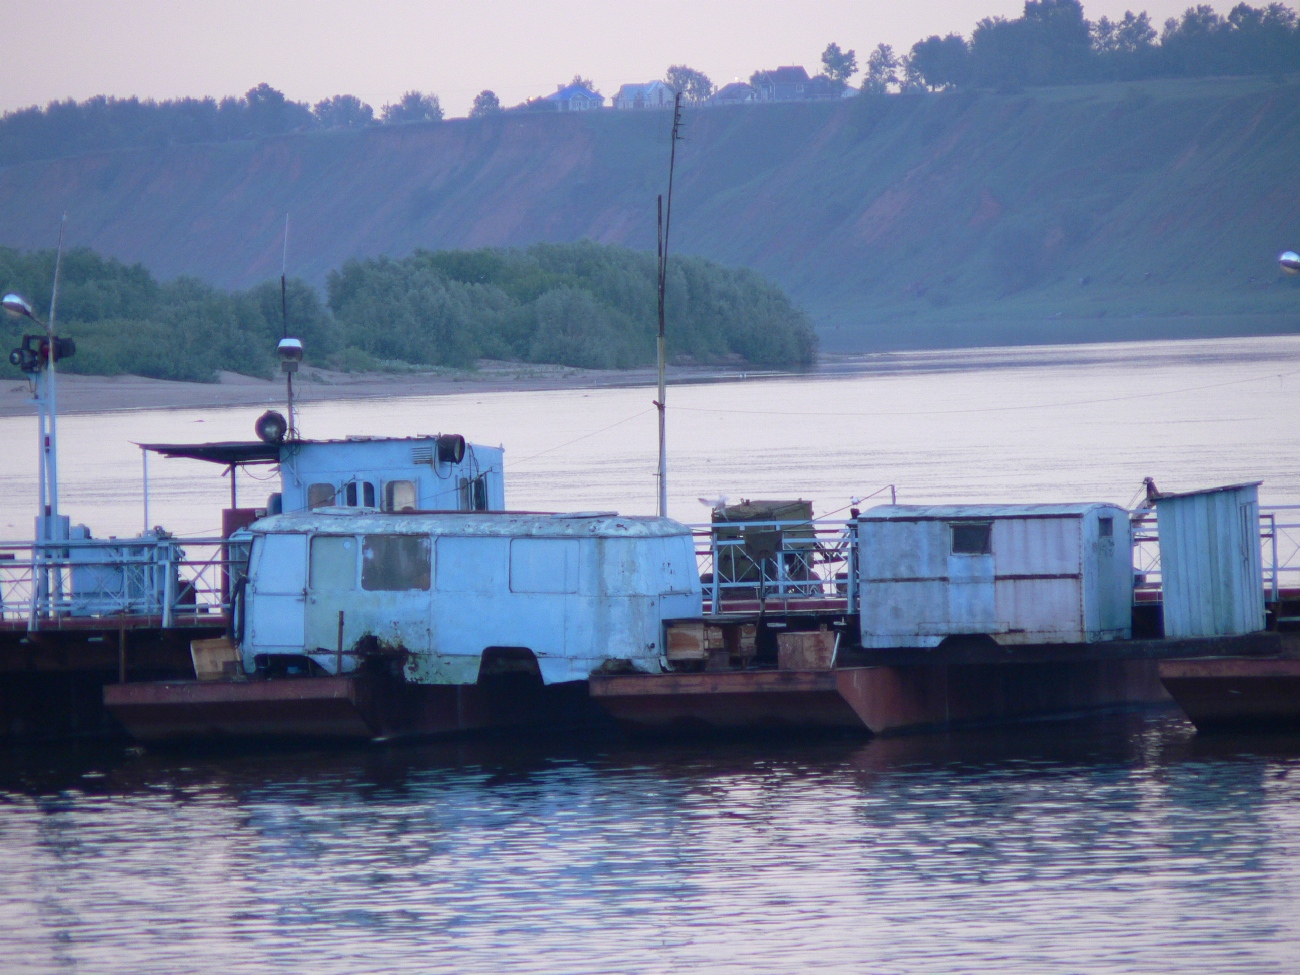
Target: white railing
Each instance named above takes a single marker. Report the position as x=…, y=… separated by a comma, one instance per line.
x=165, y=580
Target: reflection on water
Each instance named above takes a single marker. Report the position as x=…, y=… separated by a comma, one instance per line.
x=1074, y=423
x=1119, y=845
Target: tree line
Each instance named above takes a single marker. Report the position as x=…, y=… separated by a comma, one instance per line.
x=1053, y=43
x=583, y=304
x=103, y=123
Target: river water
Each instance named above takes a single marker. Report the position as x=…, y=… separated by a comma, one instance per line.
x=1121, y=844
x=1071, y=423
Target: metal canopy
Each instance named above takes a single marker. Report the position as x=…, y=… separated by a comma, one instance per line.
x=231, y=452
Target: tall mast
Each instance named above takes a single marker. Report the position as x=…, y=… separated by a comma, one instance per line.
x=664, y=225
x=284, y=325
x=50, y=440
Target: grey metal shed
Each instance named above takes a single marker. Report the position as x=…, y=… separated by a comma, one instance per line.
x=1020, y=574
x=1210, y=564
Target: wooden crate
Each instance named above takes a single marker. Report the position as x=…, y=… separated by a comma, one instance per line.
x=806, y=651
x=693, y=641
x=216, y=659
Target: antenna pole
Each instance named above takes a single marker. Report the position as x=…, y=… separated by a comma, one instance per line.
x=284, y=322
x=664, y=225
x=51, y=440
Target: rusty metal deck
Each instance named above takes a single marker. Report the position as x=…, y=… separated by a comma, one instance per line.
x=877, y=699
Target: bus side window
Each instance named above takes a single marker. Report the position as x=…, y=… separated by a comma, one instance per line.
x=333, y=562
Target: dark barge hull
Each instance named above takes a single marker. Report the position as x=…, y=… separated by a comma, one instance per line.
x=886, y=699
x=333, y=709
x=1232, y=693
x=52, y=680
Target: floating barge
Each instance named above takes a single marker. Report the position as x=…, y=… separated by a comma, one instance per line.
x=901, y=618
x=966, y=615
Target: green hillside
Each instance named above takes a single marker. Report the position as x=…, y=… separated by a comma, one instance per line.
x=1057, y=214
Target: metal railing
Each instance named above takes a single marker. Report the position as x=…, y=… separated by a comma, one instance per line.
x=816, y=562
x=760, y=561
x=167, y=581
x=1279, y=539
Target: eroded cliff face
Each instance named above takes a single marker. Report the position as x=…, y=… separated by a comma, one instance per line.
x=1057, y=214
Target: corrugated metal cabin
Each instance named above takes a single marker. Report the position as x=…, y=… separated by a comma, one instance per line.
x=1020, y=574
x=1210, y=564
x=576, y=591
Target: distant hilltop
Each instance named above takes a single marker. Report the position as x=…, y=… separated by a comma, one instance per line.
x=1126, y=209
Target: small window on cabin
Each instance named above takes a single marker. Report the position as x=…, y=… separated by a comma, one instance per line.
x=359, y=494
x=1106, y=527
x=972, y=538
x=473, y=493
x=399, y=496
x=320, y=495
x=395, y=563
x=334, y=562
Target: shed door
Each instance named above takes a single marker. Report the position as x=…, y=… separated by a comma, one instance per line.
x=277, y=594
x=972, y=602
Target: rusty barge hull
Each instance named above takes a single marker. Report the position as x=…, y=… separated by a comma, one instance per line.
x=1232, y=693
x=880, y=700
x=351, y=708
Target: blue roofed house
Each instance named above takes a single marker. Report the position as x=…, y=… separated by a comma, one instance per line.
x=575, y=98
x=652, y=94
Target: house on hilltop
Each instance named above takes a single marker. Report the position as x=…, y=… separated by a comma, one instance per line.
x=652, y=94
x=736, y=93
x=792, y=84
x=575, y=98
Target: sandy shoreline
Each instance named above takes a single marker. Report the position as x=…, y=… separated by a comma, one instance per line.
x=110, y=394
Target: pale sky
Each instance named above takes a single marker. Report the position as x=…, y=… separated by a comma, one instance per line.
x=377, y=49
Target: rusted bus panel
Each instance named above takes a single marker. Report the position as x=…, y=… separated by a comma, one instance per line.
x=1210, y=563
x=1024, y=574
x=578, y=592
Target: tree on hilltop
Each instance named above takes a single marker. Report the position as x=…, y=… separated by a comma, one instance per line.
x=839, y=65
x=343, y=111
x=414, y=106
x=882, y=71
x=268, y=112
x=485, y=103
x=694, y=85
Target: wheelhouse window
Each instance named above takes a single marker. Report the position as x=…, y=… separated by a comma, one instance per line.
x=1106, y=527
x=972, y=537
x=396, y=563
x=320, y=495
x=399, y=496
x=359, y=494
x=334, y=562
x=473, y=493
